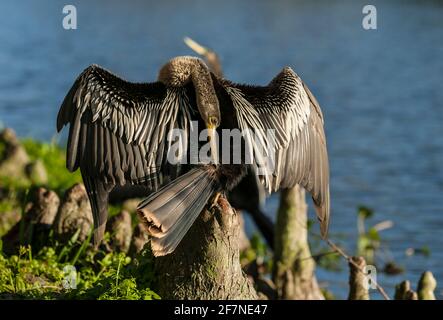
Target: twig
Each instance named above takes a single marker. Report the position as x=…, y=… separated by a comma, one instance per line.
x=317, y=256
x=344, y=255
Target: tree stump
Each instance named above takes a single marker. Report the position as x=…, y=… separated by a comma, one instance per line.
x=139, y=239
x=411, y=295
x=120, y=227
x=426, y=286
x=401, y=290
x=294, y=267
x=206, y=264
x=14, y=158
x=35, y=224
x=357, y=288
x=74, y=214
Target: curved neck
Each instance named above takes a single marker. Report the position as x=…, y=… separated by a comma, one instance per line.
x=180, y=70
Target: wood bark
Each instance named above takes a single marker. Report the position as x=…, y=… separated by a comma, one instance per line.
x=73, y=214
x=206, y=264
x=426, y=286
x=35, y=224
x=294, y=267
x=120, y=228
x=357, y=288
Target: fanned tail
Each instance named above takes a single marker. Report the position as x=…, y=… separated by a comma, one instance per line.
x=169, y=213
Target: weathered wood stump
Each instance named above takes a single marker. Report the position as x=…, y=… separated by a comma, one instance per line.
x=120, y=228
x=357, y=280
x=74, y=214
x=294, y=267
x=35, y=224
x=14, y=158
x=139, y=239
x=403, y=291
x=426, y=286
x=206, y=264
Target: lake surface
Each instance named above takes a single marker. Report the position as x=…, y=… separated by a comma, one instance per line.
x=381, y=91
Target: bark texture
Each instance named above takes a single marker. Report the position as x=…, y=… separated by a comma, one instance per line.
x=14, y=158
x=139, y=239
x=426, y=286
x=403, y=291
x=74, y=214
x=357, y=280
x=206, y=264
x=120, y=228
x=294, y=268
x=34, y=226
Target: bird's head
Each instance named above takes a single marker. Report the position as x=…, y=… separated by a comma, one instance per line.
x=178, y=72
x=184, y=69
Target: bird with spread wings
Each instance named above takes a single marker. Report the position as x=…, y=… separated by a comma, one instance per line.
x=119, y=134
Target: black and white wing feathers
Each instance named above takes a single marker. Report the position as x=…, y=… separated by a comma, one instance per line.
x=297, y=143
x=118, y=129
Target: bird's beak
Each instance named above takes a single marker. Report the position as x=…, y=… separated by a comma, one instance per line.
x=213, y=143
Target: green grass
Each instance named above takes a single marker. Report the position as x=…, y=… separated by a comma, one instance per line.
x=43, y=274
x=98, y=275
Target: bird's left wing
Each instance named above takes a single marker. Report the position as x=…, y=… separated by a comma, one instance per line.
x=119, y=129
x=119, y=133
x=288, y=118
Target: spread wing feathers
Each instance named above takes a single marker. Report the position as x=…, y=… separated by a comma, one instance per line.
x=118, y=130
x=297, y=140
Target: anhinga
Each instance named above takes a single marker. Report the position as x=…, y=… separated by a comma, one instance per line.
x=249, y=194
x=286, y=106
x=118, y=135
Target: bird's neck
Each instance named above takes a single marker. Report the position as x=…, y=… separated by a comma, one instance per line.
x=180, y=70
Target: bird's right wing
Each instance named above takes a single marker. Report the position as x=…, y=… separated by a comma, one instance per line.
x=118, y=129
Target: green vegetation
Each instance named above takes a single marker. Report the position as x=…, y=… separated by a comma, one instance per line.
x=43, y=274
x=98, y=275
x=54, y=160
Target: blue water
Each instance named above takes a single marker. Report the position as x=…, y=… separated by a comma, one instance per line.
x=380, y=90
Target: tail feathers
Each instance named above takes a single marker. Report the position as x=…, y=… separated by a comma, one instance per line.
x=169, y=213
x=177, y=189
